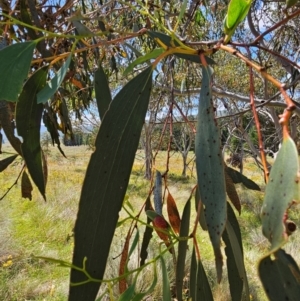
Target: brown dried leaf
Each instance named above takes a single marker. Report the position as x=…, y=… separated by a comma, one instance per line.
x=232, y=194
x=5, y=162
x=124, y=257
x=26, y=186
x=45, y=167
x=173, y=214
x=161, y=226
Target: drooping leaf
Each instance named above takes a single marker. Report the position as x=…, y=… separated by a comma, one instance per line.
x=26, y=187
x=123, y=262
x=15, y=62
x=173, y=213
x=182, y=248
x=232, y=193
x=193, y=276
x=49, y=90
x=203, y=290
x=106, y=179
x=166, y=293
x=142, y=59
x=281, y=191
x=237, y=12
x=202, y=220
x=147, y=235
x=45, y=167
x=6, y=162
x=237, y=177
x=235, y=263
x=161, y=227
x=28, y=121
x=158, y=193
x=102, y=92
x=280, y=276
x=210, y=170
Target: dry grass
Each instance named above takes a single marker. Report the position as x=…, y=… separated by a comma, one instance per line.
x=39, y=228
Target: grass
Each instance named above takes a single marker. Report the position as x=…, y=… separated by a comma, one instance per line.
x=36, y=227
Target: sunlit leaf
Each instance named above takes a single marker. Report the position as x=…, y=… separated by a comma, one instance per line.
x=6, y=162
x=28, y=121
x=173, y=213
x=281, y=191
x=123, y=262
x=142, y=59
x=210, y=170
x=106, y=181
x=49, y=90
x=15, y=62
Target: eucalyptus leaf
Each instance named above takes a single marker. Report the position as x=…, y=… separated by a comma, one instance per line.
x=15, y=62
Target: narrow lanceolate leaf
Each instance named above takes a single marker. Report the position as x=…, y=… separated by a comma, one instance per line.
x=235, y=262
x=173, y=213
x=158, y=193
x=210, y=170
x=203, y=290
x=26, y=187
x=147, y=235
x=237, y=177
x=280, y=276
x=232, y=193
x=52, y=86
x=123, y=262
x=106, y=182
x=152, y=55
x=28, y=121
x=182, y=248
x=15, y=62
x=6, y=162
x=193, y=276
x=102, y=92
x=281, y=191
x=166, y=293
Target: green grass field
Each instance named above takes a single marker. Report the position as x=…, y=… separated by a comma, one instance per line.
x=39, y=228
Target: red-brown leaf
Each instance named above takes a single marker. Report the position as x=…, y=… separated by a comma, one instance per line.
x=123, y=262
x=173, y=214
x=26, y=187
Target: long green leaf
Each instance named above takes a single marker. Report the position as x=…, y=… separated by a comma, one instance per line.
x=235, y=262
x=280, y=276
x=182, y=247
x=210, y=170
x=158, y=193
x=193, y=276
x=152, y=55
x=15, y=62
x=106, y=182
x=52, y=86
x=28, y=120
x=166, y=293
x=102, y=92
x=282, y=189
x=203, y=290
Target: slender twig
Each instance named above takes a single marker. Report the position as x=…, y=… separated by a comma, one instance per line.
x=15, y=183
x=280, y=23
x=257, y=124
